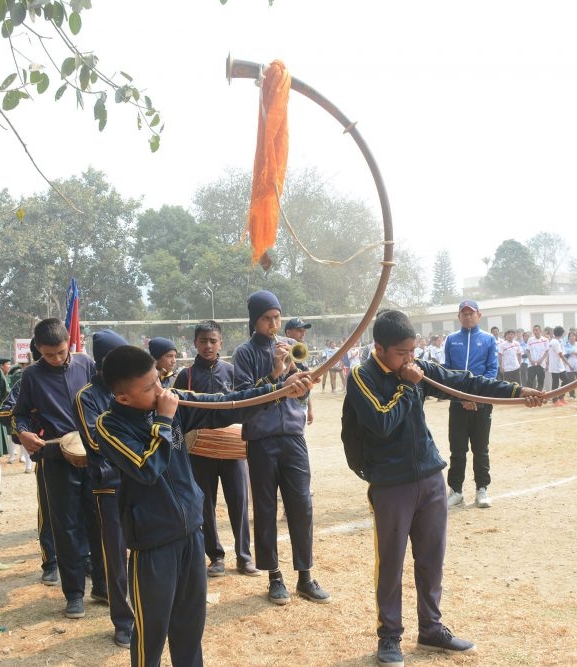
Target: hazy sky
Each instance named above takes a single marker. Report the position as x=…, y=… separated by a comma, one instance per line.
x=469, y=108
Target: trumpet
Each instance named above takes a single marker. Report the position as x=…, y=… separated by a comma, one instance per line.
x=297, y=351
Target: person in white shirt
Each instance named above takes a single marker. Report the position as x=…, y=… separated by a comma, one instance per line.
x=558, y=365
x=510, y=356
x=537, y=349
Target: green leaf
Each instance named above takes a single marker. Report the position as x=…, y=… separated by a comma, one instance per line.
x=135, y=94
x=148, y=102
x=154, y=142
x=58, y=13
x=7, y=28
x=60, y=91
x=155, y=120
x=48, y=11
x=139, y=122
x=43, y=84
x=122, y=94
x=3, y=9
x=75, y=23
x=102, y=118
x=24, y=75
x=126, y=76
x=35, y=77
x=93, y=77
x=68, y=67
x=11, y=100
x=84, y=77
x=7, y=81
x=18, y=13
x=79, y=99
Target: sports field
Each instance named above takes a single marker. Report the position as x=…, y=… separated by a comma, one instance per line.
x=510, y=572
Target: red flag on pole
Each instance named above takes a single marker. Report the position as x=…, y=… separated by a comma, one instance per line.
x=72, y=319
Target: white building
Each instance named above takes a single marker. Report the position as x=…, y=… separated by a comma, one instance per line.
x=517, y=312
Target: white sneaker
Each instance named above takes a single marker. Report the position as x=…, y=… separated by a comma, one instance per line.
x=455, y=498
x=481, y=498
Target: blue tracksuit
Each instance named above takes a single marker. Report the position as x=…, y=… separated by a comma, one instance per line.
x=46, y=396
x=210, y=377
x=277, y=459
x=407, y=489
x=474, y=350
x=90, y=402
x=161, y=511
x=45, y=537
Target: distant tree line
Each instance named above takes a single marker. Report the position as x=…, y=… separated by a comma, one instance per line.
x=175, y=263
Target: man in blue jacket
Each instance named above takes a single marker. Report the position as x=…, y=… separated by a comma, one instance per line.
x=470, y=349
x=406, y=485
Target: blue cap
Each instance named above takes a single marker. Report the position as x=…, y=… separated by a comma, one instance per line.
x=473, y=305
x=296, y=323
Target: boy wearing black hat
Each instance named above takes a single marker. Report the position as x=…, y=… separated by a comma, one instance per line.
x=277, y=454
x=164, y=351
x=90, y=402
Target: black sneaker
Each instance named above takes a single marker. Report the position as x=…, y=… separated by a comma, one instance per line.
x=311, y=590
x=277, y=592
x=445, y=640
x=122, y=638
x=389, y=652
x=49, y=577
x=216, y=568
x=74, y=608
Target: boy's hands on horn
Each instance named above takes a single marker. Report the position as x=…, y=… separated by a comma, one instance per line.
x=166, y=403
x=300, y=383
x=410, y=372
x=533, y=397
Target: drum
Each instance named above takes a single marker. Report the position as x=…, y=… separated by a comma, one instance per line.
x=217, y=443
x=73, y=450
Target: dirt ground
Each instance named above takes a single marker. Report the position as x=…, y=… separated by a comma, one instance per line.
x=510, y=571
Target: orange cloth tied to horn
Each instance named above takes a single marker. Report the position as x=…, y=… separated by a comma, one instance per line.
x=270, y=162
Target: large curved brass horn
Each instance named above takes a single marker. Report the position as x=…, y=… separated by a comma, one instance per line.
x=243, y=69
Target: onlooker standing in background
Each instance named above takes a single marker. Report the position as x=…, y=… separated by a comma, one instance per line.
x=537, y=348
x=558, y=365
x=476, y=351
x=510, y=356
x=523, y=337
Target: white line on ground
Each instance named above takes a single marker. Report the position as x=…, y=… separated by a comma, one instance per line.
x=363, y=524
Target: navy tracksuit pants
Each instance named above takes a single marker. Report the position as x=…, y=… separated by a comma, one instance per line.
x=281, y=462
x=234, y=479
x=69, y=498
x=465, y=425
x=115, y=561
x=417, y=510
x=168, y=592
x=44, y=528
